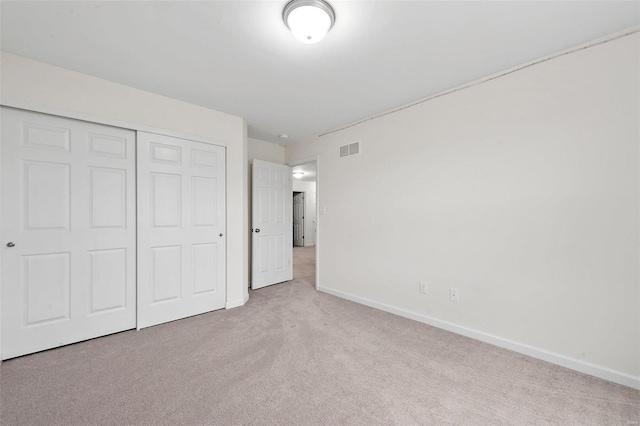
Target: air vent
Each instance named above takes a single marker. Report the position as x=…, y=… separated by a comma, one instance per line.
x=350, y=149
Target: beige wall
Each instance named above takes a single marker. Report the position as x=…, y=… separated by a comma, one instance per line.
x=266, y=151
x=521, y=192
x=35, y=83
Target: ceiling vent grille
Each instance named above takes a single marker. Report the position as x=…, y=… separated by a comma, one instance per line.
x=350, y=149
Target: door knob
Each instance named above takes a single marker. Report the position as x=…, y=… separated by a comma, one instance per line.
x=10, y=244
x=221, y=234
x=257, y=229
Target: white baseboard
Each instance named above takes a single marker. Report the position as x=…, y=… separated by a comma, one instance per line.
x=237, y=303
x=554, y=358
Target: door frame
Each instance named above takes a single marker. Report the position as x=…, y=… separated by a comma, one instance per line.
x=306, y=160
x=304, y=210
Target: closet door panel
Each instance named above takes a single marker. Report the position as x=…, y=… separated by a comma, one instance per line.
x=68, y=231
x=181, y=226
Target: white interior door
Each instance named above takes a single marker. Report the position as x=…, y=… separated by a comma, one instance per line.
x=272, y=224
x=181, y=226
x=68, y=231
x=298, y=219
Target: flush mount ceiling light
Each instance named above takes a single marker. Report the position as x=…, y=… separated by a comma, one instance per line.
x=298, y=174
x=309, y=20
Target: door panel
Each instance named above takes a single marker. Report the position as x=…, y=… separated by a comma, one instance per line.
x=46, y=192
x=68, y=205
x=204, y=200
x=37, y=135
x=272, y=224
x=108, y=188
x=108, y=272
x=107, y=146
x=181, y=249
x=205, y=276
x=166, y=200
x=47, y=282
x=167, y=273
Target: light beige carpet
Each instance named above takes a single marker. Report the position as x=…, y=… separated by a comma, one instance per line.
x=304, y=265
x=295, y=356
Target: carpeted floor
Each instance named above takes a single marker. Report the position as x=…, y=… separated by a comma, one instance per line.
x=296, y=356
x=304, y=265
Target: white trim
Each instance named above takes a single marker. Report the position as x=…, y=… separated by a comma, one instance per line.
x=106, y=121
x=305, y=160
x=554, y=358
x=236, y=303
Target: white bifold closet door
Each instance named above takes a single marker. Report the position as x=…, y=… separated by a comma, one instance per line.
x=181, y=225
x=68, y=231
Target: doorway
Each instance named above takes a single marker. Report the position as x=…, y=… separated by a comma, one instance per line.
x=304, y=222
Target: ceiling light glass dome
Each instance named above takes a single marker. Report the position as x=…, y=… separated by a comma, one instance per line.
x=309, y=20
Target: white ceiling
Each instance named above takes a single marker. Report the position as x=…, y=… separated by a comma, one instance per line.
x=238, y=56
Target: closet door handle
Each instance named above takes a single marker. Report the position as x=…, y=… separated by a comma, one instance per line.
x=257, y=229
x=10, y=244
x=221, y=234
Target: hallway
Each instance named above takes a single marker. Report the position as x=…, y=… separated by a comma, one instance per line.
x=304, y=264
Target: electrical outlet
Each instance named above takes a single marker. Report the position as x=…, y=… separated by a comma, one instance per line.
x=423, y=287
x=453, y=294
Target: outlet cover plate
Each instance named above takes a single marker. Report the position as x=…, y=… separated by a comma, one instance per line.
x=453, y=294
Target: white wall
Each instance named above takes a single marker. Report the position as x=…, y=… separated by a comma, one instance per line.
x=266, y=151
x=522, y=192
x=35, y=83
x=309, y=189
